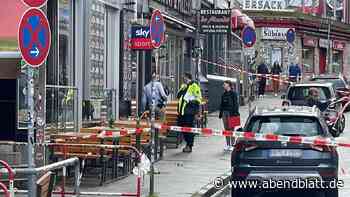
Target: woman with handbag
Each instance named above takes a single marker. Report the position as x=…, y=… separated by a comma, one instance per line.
x=229, y=111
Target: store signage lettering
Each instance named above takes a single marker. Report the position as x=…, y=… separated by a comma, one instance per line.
x=215, y=21
x=264, y=5
x=140, y=38
x=142, y=33
x=271, y=33
x=182, y=6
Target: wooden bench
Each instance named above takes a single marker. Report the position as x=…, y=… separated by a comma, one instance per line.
x=45, y=185
x=95, y=156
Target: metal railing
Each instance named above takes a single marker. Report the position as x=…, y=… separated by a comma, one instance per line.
x=75, y=162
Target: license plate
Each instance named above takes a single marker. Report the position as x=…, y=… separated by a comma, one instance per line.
x=285, y=153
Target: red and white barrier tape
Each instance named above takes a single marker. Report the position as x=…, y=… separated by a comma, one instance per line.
x=319, y=141
x=236, y=68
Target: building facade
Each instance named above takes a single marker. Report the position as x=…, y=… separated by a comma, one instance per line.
x=314, y=24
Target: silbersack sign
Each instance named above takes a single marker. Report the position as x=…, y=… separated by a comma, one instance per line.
x=264, y=4
x=273, y=33
x=215, y=21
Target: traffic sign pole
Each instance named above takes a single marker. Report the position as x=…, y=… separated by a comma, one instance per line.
x=34, y=41
x=31, y=145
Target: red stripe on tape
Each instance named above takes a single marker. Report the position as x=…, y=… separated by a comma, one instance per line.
x=207, y=131
x=165, y=127
x=227, y=133
x=138, y=130
x=295, y=139
x=249, y=135
x=271, y=137
x=320, y=142
x=344, y=145
x=123, y=132
x=186, y=129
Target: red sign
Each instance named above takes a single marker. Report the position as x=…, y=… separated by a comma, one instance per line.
x=234, y=19
x=308, y=41
x=141, y=44
x=34, y=37
x=35, y=3
x=338, y=45
x=157, y=29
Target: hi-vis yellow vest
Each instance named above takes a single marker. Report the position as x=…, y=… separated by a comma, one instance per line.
x=193, y=93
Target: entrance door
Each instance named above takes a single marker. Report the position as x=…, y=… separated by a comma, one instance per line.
x=323, y=55
x=8, y=109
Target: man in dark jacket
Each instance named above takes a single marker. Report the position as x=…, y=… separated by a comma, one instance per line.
x=262, y=70
x=294, y=72
x=229, y=107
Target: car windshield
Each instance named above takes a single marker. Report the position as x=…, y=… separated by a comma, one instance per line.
x=301, y=93
x=285, y=125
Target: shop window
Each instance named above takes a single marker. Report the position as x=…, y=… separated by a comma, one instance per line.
x=308, y=60
x=337, y=65
x=66, y=69
x=61, y=95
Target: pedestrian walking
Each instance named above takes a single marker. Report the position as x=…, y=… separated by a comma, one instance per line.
x=276, y=72
x=263, y=71
x=189, y=97
x=160, y=97
x=229, y=111
x=294, y=72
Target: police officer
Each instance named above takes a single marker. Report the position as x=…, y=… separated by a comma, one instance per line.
x=189, y=97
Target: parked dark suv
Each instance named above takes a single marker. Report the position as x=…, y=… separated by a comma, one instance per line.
x=261, y=161
x=297, y=94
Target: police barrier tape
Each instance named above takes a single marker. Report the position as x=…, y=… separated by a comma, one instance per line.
x=238, y=69
x=319, y=141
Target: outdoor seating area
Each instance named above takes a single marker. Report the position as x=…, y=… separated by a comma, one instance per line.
x=108, y=164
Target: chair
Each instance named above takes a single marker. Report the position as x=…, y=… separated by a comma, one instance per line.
x=45, y=185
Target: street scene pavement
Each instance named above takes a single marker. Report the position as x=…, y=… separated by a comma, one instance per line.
x=181, y=174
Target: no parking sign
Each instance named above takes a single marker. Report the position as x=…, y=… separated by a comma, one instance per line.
x=157, y=28
x=34, y=37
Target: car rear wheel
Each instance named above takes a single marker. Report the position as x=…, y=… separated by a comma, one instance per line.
x=331, y=193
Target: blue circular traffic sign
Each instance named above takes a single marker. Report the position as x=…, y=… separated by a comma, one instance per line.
x=34, y=37
x=157, y=29
x=290, y=35
x=248, y=36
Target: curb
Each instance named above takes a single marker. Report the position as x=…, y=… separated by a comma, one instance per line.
x=210, y=189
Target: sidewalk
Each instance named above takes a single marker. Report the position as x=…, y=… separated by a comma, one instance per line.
x=182, y=174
